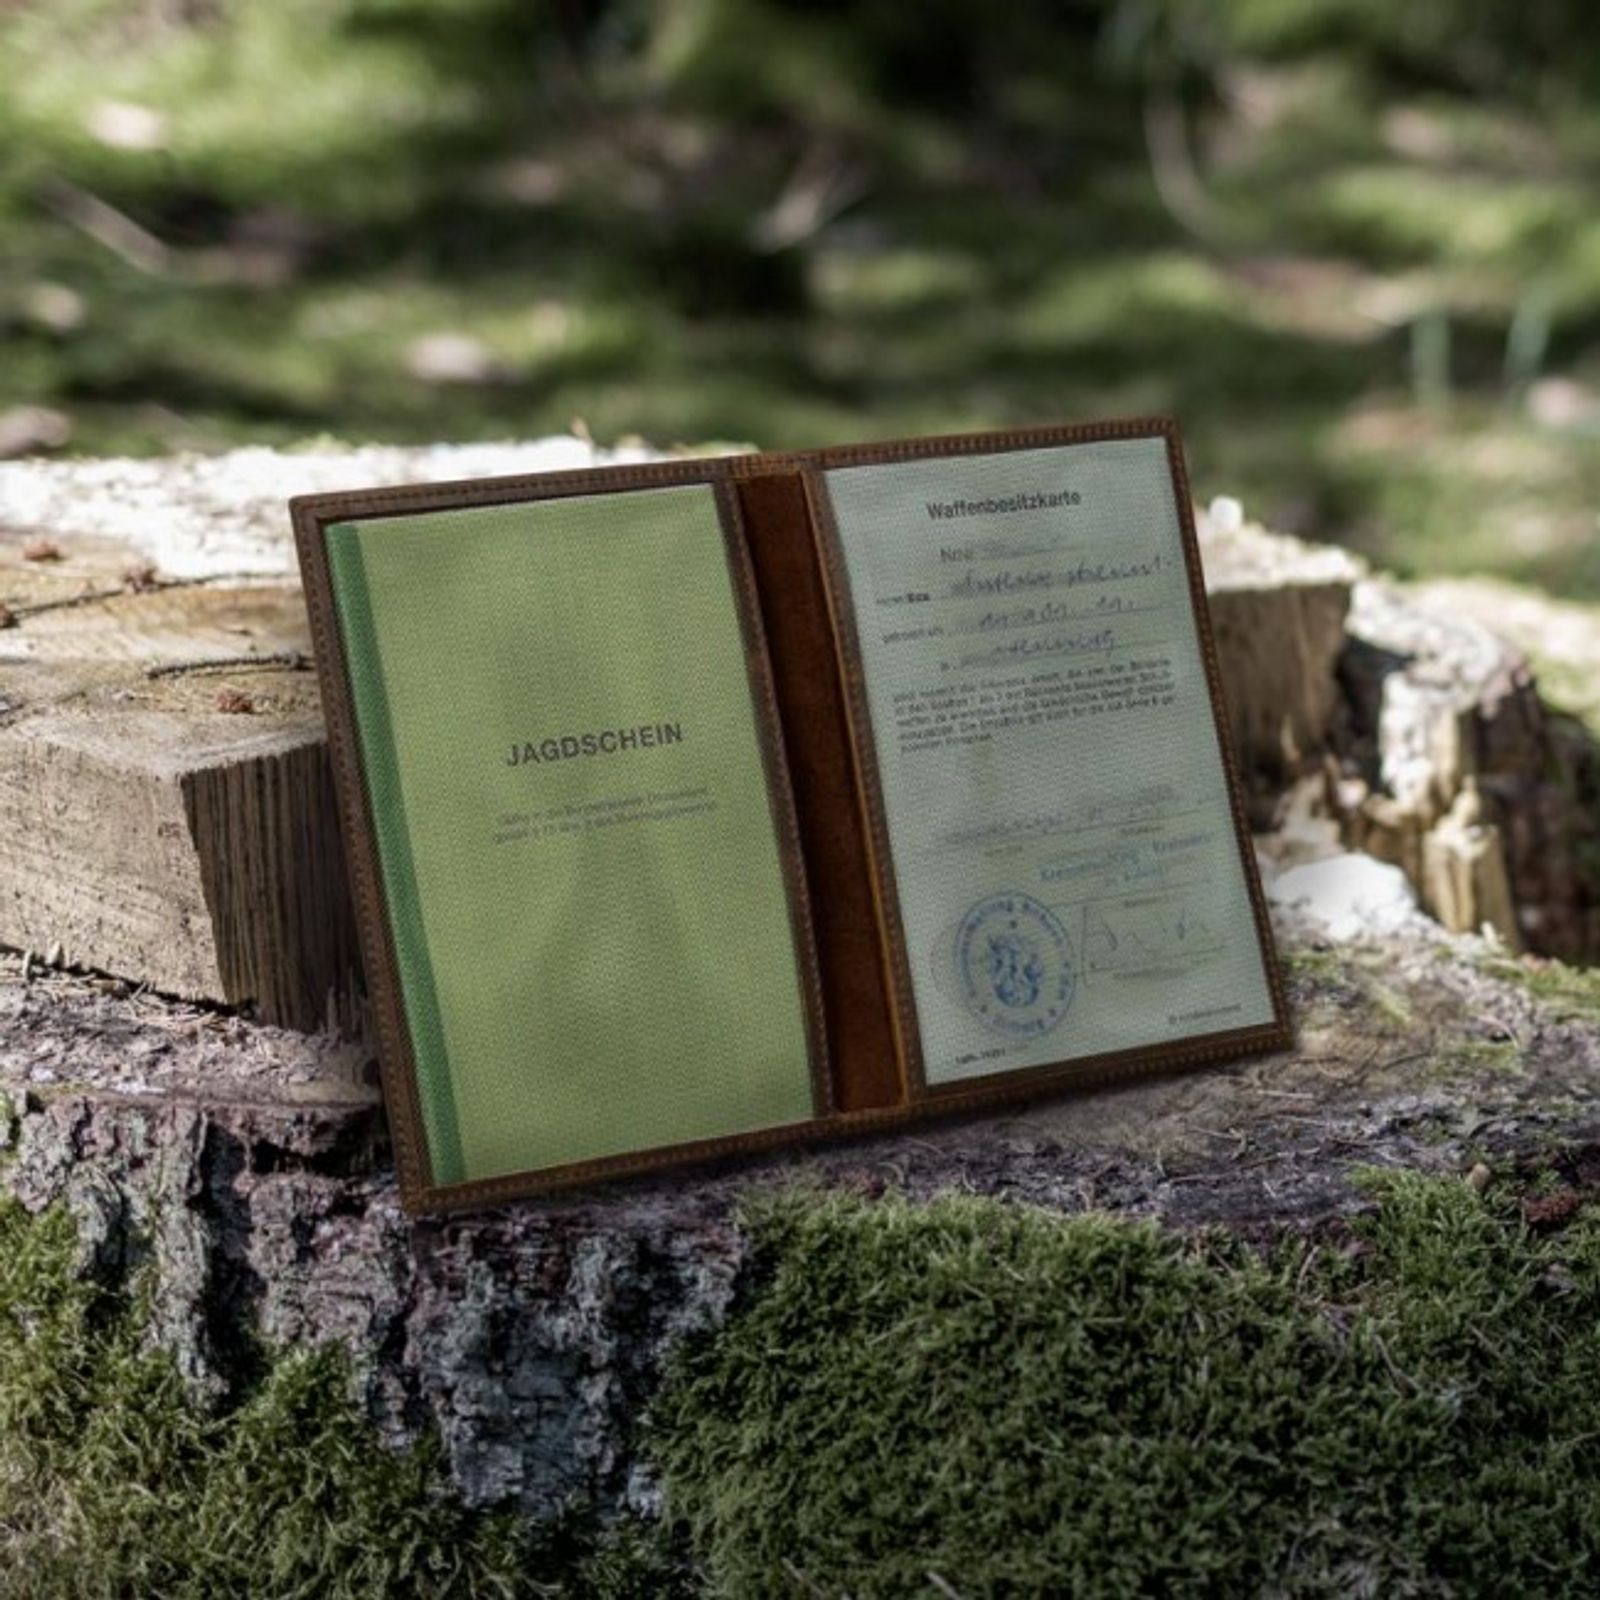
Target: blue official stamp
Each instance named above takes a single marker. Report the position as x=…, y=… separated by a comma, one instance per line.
x=1014, y=965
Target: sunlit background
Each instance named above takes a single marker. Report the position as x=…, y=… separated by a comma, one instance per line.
x=1353, y=244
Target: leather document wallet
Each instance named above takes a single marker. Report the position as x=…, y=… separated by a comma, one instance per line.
x=708, y=805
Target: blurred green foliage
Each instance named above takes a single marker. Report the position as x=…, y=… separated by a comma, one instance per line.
x=1353, y=245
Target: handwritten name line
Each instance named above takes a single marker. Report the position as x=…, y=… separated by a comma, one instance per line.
x=1056, y=825
x=1020, y=580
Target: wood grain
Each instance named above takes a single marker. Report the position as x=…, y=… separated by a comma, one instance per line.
x=147, y=833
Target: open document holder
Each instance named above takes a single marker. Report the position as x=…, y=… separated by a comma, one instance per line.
x=708, y=805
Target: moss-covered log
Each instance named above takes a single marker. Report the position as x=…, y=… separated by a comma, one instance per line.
x=245, y=1166
x=1320, y=1323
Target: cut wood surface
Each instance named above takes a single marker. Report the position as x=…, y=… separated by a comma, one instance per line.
x=172, y=821
x=146, y=831
x=1278, y=609
x=162, y=818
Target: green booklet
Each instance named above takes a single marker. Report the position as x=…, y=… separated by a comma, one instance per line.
x=580, y=825
x=702, y=806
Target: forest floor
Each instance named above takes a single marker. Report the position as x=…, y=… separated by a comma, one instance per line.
x=1375, y=309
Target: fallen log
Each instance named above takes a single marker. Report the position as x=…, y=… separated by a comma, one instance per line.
x=244, y=1166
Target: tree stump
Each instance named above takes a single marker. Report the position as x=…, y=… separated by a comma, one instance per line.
x=166, y=809
x=246, y=1166
x=166, y=802
x=190, y=849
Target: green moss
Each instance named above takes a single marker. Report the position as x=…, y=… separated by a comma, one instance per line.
x=1314, y=965
x=1571, y=993
x=1351, y=975
x=1390, y=1004
x=113, y=1484
x=1475, y=1057
x=1008, y=1402
x=1324, y=982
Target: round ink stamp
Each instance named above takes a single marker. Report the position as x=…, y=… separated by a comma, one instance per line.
x=1014, y=965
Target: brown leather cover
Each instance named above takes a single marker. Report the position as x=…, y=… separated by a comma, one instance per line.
x=816, y=731
x=805, y=661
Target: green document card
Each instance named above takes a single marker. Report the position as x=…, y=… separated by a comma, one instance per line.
x=1070, y=880
x=580, y=851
